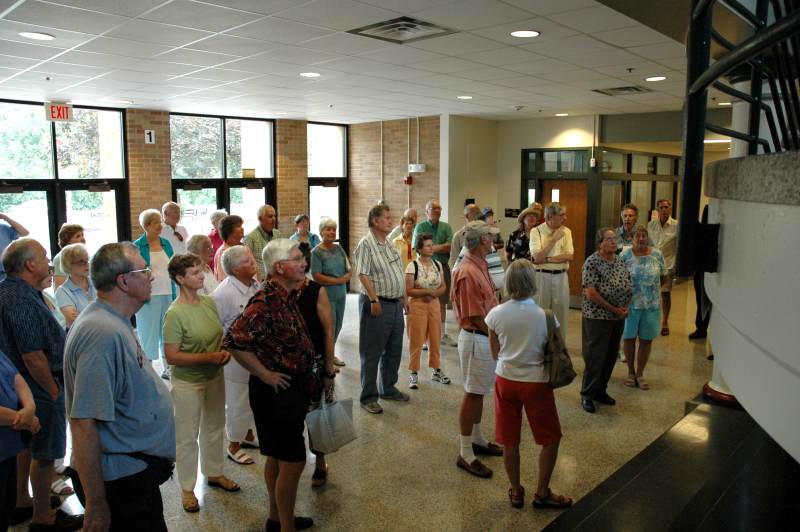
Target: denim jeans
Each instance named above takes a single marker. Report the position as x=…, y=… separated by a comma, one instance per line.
x=380, y=344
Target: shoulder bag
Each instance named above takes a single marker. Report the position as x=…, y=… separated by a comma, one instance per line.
x=557, y=363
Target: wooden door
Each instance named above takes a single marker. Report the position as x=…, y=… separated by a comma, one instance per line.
x=573, y=195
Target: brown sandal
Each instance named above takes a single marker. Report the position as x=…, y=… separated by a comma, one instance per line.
x=518, y=500
x=223, y=483
x=551, y=501
x=643, y=384
x=189, y=502
x=630, y=381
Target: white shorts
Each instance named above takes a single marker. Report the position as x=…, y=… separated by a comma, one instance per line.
x=477, y=364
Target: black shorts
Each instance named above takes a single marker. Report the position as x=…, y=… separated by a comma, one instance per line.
x=280, y=418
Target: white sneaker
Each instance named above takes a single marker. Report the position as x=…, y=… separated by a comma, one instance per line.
x=446, y=340
x=439, y=376
x=425, y=346
x=621, y=356
x=413, y=380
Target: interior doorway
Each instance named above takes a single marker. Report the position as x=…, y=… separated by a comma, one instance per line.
x=573, y=194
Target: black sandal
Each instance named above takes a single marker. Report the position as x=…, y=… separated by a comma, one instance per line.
x=517, y=501
x=319, y=478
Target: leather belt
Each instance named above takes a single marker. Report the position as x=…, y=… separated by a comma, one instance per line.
x=389, y=299
x=476, y=331
x=552, y=272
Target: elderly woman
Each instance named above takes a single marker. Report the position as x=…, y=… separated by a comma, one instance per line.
x=231, y=229
x=517, y=338
x=192, y=339
x=201, y=246
x=607, y=293
x=77, y=292
x=308, y=241
x=424, y=284
x=156, y=252
x=404, y=241
x=519, y=241
x=68, y=234
x=647, y=267
x=216, y=239
x=331, y=268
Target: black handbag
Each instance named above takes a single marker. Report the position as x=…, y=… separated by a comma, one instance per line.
x=557, y=362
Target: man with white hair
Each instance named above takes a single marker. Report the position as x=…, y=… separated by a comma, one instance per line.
x=175, y=233
x=271, y=341
x=262, y=235
x=231, y=296
x=551, y=253
x=473, y=297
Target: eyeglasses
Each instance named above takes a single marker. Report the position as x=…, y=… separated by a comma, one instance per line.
x=147, y=271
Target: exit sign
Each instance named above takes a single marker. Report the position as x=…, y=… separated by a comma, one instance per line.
x=57, y=111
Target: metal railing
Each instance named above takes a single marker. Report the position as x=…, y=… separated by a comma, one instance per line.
x=771, y=57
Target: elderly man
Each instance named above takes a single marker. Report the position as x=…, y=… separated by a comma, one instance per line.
x=271, y=340
x=121, y=416
x=231, y=297
x=34, y=341
x=629, y=216
x=398, y=230
x=473, y=297
x=231, y=230
x=262, y=235
x=442, y=236
x=471, y=213
x=664, y=233
x=9, y=231
x=175, y=233
x=551, y=253
x=381, y=304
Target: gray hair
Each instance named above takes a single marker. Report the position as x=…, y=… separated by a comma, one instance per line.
x=70, y=254
x=429, y=205
x=601, y=234
x=553, y=209
x=263, y=210
x=170, y=206
x=641, y=229
x=277, y=250
x=472, y=239
x=233, y=257
x=630, y=207
x=194, y=242
x=663, y=200
x=217, y=216
x=17, y=254
x=326, y=223
x=471, y=211
x=110, y=261
x=520, y=280
x=376, y=212
x=147, y=217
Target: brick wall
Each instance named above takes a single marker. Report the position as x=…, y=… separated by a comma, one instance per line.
x=291, y=167
x=149, y=167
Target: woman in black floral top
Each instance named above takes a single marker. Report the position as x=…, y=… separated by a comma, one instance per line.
x=607, y=291
x=519, y=246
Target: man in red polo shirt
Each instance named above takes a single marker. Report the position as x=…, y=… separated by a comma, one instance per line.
x=473, y=297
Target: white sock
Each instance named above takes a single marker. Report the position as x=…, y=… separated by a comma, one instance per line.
x=466, y=448
x=477, y=435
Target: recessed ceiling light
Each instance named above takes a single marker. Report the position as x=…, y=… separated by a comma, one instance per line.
x=310, y=74
x=656, y=78
x=464, y=97
x=525, y=34
x=724, y=104
x=36, y=36
x=717, y=141
x=562, y=114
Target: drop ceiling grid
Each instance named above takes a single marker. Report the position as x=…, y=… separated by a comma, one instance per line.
x=234, y=47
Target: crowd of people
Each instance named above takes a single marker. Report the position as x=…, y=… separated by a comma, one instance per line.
x=241, y=328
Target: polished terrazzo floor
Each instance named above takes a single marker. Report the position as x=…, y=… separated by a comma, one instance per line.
x=400, y=473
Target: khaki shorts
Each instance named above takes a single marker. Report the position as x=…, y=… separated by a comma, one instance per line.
x=477, y=364
x=668, y=281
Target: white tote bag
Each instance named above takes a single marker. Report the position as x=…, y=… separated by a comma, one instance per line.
x=331, y=425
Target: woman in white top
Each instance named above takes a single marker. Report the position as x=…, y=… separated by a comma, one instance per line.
x=517, y=338
x=424, y=284
x=77, y=292
x=201, y=246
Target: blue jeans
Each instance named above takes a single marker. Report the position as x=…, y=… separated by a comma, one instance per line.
x=380, y=344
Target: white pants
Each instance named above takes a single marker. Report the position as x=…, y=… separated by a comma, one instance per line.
x=238, y=416
x=199, y=410
x=553, y=293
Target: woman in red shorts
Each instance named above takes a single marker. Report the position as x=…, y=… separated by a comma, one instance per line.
x=517, y=337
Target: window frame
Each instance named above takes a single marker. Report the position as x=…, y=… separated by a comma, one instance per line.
x=343, y=182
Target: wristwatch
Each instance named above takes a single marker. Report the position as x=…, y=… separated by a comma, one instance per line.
x=373, y=300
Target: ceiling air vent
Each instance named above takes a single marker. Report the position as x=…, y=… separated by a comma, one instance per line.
x=402, y=30
x=623, y=91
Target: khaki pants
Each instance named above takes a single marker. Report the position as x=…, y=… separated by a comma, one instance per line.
x=423, y=324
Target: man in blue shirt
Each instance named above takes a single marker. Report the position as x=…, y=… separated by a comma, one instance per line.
x=9, y=231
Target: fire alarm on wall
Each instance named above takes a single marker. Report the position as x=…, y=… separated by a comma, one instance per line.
x=408, y=180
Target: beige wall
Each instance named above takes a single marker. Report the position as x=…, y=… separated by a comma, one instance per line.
x=472, y=169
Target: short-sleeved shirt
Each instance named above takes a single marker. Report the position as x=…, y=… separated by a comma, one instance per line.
x=665, y=239
x=10, y=439
x=176, y=236
x=472, y=293
x=428, y=276
x=27, y=325
x=442, y=234
x=563, y=247
x=231, y=297
x=611, y=279
x=71, y=295
x=646, y=272
x=493, y=262
x=7, y=235
x=382, y=264
x=405, y=248
x=195, y=328
x=521, y=328
x=456, y=246
x=107, y=378
x=159, y=264
x=313, y=239
x=257, y=240
x=333, y=263
x=519, y=245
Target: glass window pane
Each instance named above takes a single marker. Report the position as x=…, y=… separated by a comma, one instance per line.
x=248, y=144
x=97, y=213
x=196, y=209
x=532, y=161
x=550, y=161
x=245, y=202
x=90, y=145
x=664, y=190
x=640, y=164
x=613, y=194
x=324, y=203
x=640, y=196
x=614, y=162
x=25, y=148
x=196, y=143
x=664, y=166
x=29, y=209
x=326, y=147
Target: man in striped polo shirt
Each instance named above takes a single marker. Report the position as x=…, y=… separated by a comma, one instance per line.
x=381, y=304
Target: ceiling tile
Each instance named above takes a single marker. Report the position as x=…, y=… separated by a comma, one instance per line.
x=457, y=44
x=599, y=83
x=65, y=18
x=406, y=6
x=10, y=30
x=594, y=19
x=547, y=28
x=187, y=83
x=345, y=43
x=264, y=7
x=548, y=7
x=162, y=67
x=222, y=74
x=337, y=14
x=521, y=82
x=665, y=50
x=259, y=65
x=228, y=44
x=133, y=75
x=146, y=31
x=539, y=67
x=567, y=76
x=485, y=74
x=199, y=16
x=110, y=45
x=95, y=59
x=73, y=70
x=640, y=68
x=629, y=37
x=446, y=65
x=400, y=54
x=504, y=56
x=195, y=57
x=605, y=58
x=676, y=63
x=31, y=51
x=471, y=14
x=567, y=46
x=125, y=8
x=280, y=30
